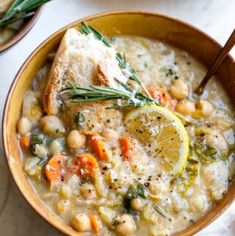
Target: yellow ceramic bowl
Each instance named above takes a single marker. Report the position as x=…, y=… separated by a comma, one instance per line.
x=145, y=24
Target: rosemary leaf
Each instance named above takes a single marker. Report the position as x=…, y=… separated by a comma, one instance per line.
x=125, y=106
x=123, y=64
x=20, y=9
x=124, y=98
x=125, y=86
x=159, y=210
x=87, y=29
x=18, y=17
x=79, y=119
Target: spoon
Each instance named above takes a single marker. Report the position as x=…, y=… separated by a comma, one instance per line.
x=217, y=62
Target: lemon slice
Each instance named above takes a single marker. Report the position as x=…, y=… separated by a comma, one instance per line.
x=163, y=135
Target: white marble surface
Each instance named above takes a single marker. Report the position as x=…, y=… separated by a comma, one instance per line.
x=216, y=17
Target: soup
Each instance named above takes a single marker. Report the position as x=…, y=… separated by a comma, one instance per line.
x=115, y=141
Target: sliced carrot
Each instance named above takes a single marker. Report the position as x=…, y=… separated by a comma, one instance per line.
x=98, y=146
x=94, y=223
x=85, y=165
x=25, y=142
x=127, y=147
x=55, y=168
x=162, y=96
x=154, y=92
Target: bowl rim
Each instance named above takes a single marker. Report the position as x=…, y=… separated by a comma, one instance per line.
x=17, y=77
x=22, y=32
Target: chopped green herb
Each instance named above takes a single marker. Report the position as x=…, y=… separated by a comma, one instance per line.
x=171, y=73
x=79, y=119
x=210, y=151
x=139, y=191
x=159, y=210
x=185, y=180
x=205, y=153
x=132, y=193
x=36, y=139
x=86, y=180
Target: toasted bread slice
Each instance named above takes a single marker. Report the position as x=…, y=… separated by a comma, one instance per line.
x=83, y=60
x=96, y=117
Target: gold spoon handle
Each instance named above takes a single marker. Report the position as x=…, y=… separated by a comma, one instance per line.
x=217, y=62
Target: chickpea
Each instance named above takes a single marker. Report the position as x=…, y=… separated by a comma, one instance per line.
x=24, y=126
x=88, y=191
x=179, y=89
x=205, y=108
x=137, y=203
x=185, y=107
x=81, y=223
x=157, y=187
x=56, y=147
x=216, y=139
x=75, y=140
x=65, y=191
x=52, y=125
x=126, y=226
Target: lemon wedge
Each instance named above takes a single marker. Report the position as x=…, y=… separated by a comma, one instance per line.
x=163, y=135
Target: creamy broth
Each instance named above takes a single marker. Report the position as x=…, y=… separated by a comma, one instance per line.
x=132, y=196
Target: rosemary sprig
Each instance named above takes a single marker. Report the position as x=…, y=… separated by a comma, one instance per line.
x=125, y=97
x=87, y=29
x=123, y=64
x=161, y=212
x=20, y=9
